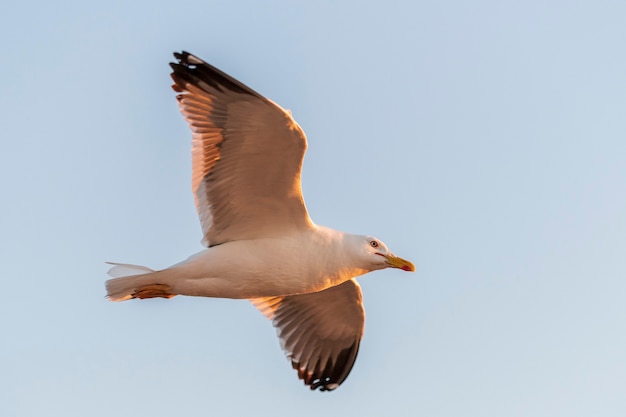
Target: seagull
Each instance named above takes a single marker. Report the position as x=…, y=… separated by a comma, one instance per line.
x=261, y=244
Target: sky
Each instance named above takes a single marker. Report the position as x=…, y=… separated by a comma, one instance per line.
x=484, y=141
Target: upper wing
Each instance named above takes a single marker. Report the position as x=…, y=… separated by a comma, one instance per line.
x=247, y=156
x=320, y=332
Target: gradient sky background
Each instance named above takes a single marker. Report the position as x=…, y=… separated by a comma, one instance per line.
x=484, y=140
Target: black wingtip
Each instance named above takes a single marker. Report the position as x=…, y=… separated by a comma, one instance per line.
x=333, y=374
x=188, y=59
x=193, y=70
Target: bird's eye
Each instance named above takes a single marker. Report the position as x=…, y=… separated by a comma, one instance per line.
x=374, y=244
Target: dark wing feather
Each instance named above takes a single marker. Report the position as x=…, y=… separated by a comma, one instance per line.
x=320, y=332
x=247, y=156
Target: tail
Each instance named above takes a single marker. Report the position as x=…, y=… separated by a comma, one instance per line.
x=134, y=281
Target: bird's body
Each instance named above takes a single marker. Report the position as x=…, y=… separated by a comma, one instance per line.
x=218, y=271
x=261, y=243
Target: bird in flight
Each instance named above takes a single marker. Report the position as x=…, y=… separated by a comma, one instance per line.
x=261, y=244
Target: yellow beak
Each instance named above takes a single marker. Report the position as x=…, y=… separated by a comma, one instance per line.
x=396, y=262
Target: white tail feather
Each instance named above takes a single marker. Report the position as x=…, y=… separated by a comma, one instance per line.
x=126, y=279
x=126, y=270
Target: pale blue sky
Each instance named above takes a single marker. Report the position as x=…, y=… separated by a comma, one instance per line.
x=485, y=141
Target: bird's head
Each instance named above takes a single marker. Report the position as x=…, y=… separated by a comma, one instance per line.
x=375, y=253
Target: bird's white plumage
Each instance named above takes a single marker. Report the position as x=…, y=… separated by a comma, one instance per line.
x=261, y=244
